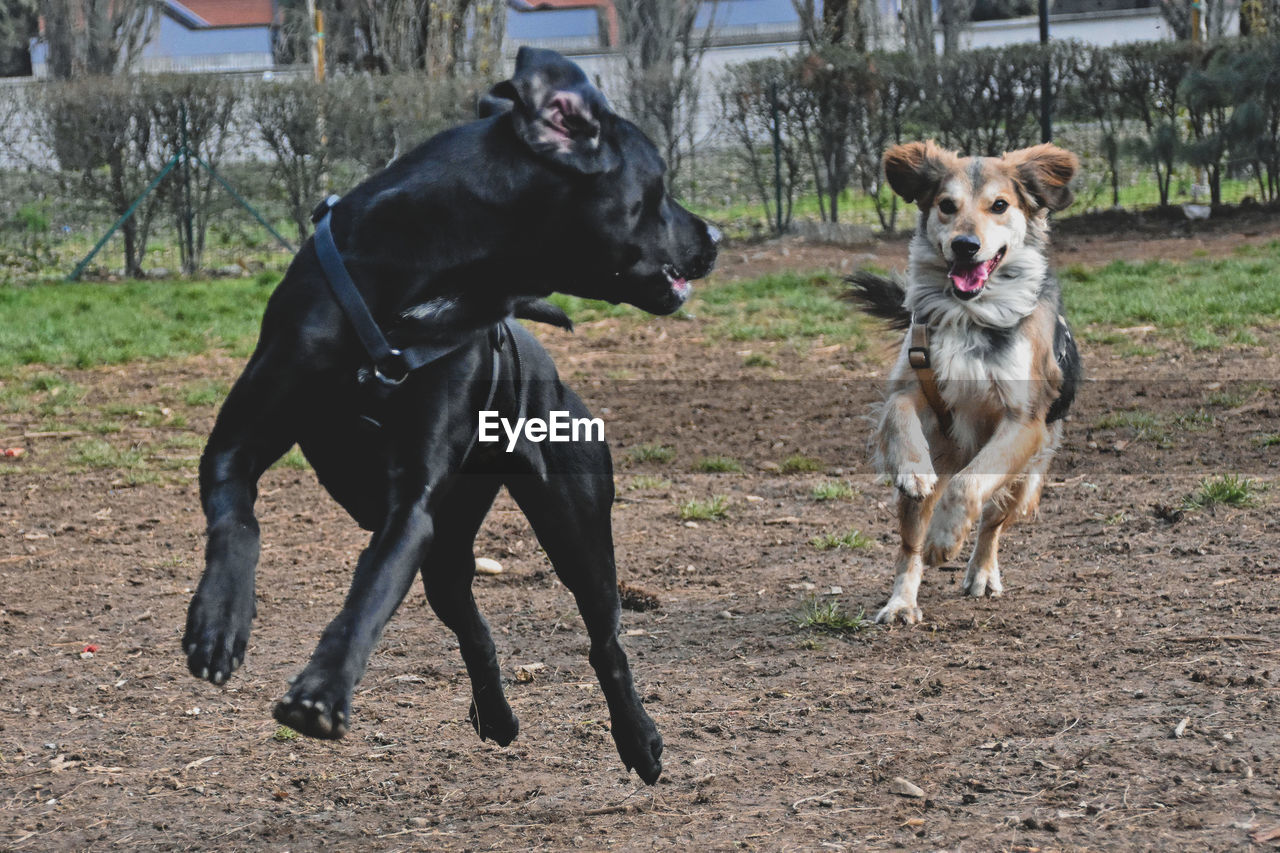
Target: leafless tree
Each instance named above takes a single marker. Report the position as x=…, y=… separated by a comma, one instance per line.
x=18, y=25
x=442, y=37
x=953, y=16
x=917, y=27
x=841, y=22
x=88, y=37
x=1215, y=15
x=99, y=130
x=662, y=52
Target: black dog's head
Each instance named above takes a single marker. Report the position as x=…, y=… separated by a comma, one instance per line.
x=629, y=241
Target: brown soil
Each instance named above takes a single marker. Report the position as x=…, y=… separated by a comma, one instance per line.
x=1045, y=719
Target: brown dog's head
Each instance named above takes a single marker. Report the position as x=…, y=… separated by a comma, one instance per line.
x=980, y=215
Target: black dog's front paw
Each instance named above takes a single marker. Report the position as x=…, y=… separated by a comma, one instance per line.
x=316, y=708
x=496, y=724
x=640, y=747
x=216, y=638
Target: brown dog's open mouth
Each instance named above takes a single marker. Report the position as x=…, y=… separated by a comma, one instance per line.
x=969, y=278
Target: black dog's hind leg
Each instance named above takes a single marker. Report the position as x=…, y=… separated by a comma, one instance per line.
x=569, y=511
x=447, y=574
x=250, y=434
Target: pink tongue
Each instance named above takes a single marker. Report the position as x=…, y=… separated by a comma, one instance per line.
x=970, y=278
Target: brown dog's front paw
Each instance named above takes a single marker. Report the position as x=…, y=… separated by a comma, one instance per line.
x=947, y=530
x=915, y=483
x=315, y=710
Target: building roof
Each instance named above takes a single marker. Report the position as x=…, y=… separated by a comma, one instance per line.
x=199, y=14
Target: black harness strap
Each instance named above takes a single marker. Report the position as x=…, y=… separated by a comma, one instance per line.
x=389, y=364
x=392, y=366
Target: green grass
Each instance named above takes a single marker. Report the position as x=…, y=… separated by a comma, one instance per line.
x=293, y=460
x=1226, y=490
x=661, y=453
x=648, y=481
x=758, y=359
x=1158, y=429
x=1207, y=304
x=1270, y=439
x=853, y=540
x=829, y=617
x=718, y=465
x=798, y=463
x=781, y=307
x=87, y=324
x=711, y=509
x=831, y=490
x=205, y=394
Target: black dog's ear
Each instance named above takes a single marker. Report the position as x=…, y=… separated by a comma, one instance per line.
x=557, y=112
x=501, y=99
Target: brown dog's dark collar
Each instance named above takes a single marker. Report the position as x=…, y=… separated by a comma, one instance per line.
x=921, y=362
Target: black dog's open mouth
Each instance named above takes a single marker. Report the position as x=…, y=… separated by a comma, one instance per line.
x=968, y=278
x=680, y=285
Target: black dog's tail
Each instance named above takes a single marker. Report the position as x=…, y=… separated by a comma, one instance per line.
x=880, y=297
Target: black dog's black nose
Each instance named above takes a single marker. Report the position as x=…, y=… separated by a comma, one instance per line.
x=966, y=246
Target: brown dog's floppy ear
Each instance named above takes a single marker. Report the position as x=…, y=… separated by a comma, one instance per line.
x=1045, y=171
x=915, y=169
x=555, y=111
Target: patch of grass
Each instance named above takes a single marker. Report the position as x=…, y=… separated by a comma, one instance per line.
x=284, y=734
x=1155, y=428
x=648, y=481
x=829, y=617
x=88, y=324
x=1207, y=303
x=798, y=463
x=293, y=460
x=661, y=453
x=780, y=307
x=853, y=540
x=831, y=490
x=718, y=465
x=711, y=509
x=1270, y=439
x=205, y=394
x=98, y=454
x=758, y=359
x=1226, y=490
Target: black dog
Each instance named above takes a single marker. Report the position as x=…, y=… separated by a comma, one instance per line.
x=549, y=191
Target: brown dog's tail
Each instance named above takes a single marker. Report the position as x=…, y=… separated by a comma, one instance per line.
x=880, y=297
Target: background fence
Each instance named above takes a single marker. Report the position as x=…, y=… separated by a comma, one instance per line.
x=796, y=138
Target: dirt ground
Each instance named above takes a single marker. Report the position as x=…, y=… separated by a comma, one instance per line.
x=1121, y=695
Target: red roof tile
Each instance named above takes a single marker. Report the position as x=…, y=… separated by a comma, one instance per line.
x=231, y=13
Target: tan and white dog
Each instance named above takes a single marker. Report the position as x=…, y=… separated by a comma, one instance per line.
x=987, y=368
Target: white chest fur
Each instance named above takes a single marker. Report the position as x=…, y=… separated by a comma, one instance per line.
x=973, y=379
